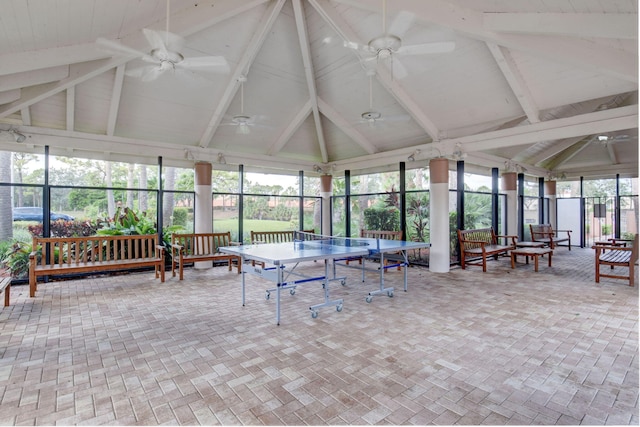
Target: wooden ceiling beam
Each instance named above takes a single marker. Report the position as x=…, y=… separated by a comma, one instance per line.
x=601, y=25
x=515, y=80
x=303, y=39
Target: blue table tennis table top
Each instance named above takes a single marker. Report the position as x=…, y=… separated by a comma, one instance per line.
x=309, y=250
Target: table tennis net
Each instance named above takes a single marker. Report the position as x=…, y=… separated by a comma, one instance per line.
x=319, y=239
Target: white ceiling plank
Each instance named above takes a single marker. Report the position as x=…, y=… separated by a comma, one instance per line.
x=34, y=77
x=71, y=103
x=576, y=51
x=516, y=81
x=21, y=62
x=241, y=70
x=208, y=13
x=291, y=128
x=346, y=127
x=80, y=73
x=116, y=95
x=605, y=25
x=303, y=39
x=9, y=96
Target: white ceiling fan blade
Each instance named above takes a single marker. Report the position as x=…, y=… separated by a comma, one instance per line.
x=146, y=73
x=163, y=41
x=214, y=64
x=401, y=23
x=118, y=48
x=398, y=71
x=427, y=48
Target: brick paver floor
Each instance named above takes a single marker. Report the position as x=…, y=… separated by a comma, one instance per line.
x=509, y=346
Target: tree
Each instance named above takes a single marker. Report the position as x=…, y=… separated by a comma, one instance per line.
x=20, y=160
x=143, y=196
x=6, y=215
x=168, y=202
x=130, y=184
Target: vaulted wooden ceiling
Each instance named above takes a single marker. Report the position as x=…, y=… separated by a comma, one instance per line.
x=550, y=87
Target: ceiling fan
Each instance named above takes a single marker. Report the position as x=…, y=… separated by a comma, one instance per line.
x=388, y=44
x=242, y=120
x=164, y=55
x=373, y=117
x=605, y=139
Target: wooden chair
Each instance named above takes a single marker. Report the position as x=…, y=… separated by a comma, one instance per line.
x=546, y=234
x=617, y=256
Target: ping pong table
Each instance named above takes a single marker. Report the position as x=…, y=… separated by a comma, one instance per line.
x=281, y=261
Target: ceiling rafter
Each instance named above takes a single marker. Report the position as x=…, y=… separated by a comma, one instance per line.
x=333, y=19
x=515, y=80
x=241, y=70
x=603, y=25
x=287, y=133
x=576, y=51
x=71, y=108
x=584, y=124
x=79, y=73
x=339, y=120
x=303, y=38
x=116, y=94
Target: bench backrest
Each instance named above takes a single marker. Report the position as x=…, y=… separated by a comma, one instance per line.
x=77, y=250
x=486, y=235
x=381, y=234
x=544, y=229
x=274, y=236
x=201, y=243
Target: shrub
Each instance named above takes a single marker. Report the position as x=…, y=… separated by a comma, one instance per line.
x=387, y=219
x=180, y=216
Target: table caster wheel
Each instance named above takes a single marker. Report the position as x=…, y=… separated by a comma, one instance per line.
x=267, y=295
x=390, y=294
x=292, y=291
x=314, y=314
x=342, y=282
x=369, y=298
x=339, y=307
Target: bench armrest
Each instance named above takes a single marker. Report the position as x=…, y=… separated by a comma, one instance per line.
x=507, y=236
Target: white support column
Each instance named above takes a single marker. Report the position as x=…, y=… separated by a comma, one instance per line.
x=203, y=204
x=326, y=190
x=509, y=186
x=439, y=254
x=550, y=192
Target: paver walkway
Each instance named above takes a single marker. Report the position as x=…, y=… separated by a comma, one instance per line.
x=509, y=346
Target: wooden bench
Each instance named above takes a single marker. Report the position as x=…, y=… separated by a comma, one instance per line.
x=617, y=256
x=379, y=234
x=258, y=237
x=544, y=233
x=5, y=285
x=482, y=243
x=65, y=255
x=195, y=247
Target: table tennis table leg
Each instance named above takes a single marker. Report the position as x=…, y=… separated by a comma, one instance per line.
x=278, y=286
x=382, y=289
x=325, y=284
x=406, y=264
x=243, y=274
